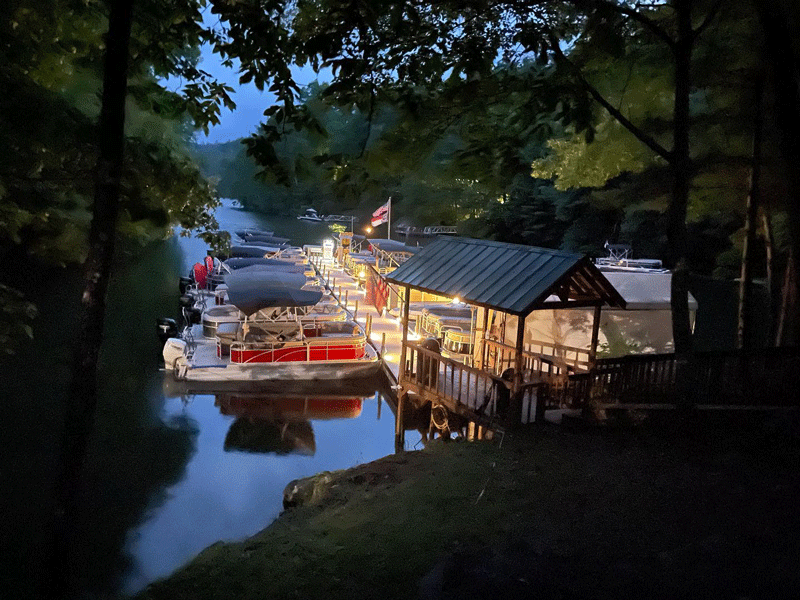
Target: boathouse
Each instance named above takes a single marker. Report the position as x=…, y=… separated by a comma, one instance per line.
x=502, y=284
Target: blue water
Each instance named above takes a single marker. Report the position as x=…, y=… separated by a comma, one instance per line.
x=160, y=485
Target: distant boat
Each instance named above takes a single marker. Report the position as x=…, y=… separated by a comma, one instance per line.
x=310, y=216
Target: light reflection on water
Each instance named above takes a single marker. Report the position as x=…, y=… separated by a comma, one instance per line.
x=227, y=495
x=159, y=485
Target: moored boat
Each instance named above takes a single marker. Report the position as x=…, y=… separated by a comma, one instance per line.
x=310, y=216
x=274, y=346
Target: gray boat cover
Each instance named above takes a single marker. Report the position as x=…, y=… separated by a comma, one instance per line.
x=242, y=233
x=278, y=265
x=253, y=251
x=254, y=290
x=260, y=238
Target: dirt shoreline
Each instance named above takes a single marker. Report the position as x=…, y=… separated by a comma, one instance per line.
x=709, y=510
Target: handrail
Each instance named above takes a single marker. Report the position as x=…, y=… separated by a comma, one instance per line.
x=498, y=355
x=416, y=347
x=704, y=379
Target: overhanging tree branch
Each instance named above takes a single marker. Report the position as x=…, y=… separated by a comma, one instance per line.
x=643, y=137
x=635, y=15
x=708, y=20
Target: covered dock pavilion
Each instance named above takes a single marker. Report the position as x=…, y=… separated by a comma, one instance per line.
x=504, y=283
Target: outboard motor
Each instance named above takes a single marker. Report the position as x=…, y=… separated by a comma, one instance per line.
x=166, y=328
x=174, y=350
x=193, y=315
x=184, y=283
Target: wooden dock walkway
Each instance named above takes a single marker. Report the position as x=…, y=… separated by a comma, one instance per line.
x=385, y=331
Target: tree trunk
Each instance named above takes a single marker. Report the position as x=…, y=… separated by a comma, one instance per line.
x=788, y=300
x=785, y=66
x=744, y=330
x=682, y=171
x=769, y=250
x=82, y=401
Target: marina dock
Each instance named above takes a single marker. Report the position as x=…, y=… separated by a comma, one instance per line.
x=384, y=331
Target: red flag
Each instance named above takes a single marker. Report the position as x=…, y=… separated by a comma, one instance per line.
x=381, y=215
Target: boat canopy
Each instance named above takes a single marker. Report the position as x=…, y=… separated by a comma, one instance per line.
x=254, y=290
x=253, y=251
x=243, y=233
x=393, y=246
x=258, y=238
x=279, y=265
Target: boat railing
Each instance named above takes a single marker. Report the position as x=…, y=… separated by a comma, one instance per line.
x=429, y=230
x=440, y=230
x=314, y=349
x=436, y=325
x=458, y=341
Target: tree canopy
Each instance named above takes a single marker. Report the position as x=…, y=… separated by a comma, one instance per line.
x=50, y=74
x=629, y=99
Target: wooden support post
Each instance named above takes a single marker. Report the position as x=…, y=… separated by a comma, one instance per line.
x=346, y=292
x=482, y=343
x=595, y=336
x=380, y=403
x=355, y=312
x=404, y=323
x=515, y=410
x=540, y=405
x=399, y=430
x=383, y=343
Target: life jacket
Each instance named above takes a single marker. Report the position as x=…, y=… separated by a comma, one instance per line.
x=199, y=273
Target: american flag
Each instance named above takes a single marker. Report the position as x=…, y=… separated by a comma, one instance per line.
x=381, y=215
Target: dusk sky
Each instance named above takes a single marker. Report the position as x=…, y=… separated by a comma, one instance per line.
x=250, y=102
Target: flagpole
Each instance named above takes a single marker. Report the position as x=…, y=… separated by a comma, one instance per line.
x=389, y=221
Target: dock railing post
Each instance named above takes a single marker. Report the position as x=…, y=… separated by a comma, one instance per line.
x=399, y=430
x=355, y=312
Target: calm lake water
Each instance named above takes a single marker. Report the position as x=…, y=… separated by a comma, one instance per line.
x=167, y=476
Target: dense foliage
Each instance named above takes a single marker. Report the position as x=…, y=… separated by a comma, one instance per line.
x=631, y=103
x=50, y=75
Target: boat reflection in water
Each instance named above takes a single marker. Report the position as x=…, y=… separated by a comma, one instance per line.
x=280, y=424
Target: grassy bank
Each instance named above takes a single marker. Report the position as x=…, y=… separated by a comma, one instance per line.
x=710, y=511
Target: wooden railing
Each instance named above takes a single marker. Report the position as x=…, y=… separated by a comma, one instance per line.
x=704, y=380
x=487, y=393
x=539, y=359
x=428, y=371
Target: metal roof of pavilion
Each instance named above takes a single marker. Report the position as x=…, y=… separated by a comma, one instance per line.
x=509, y=277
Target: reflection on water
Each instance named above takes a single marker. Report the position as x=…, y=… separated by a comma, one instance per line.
x=160, y=485
x=280, y=437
